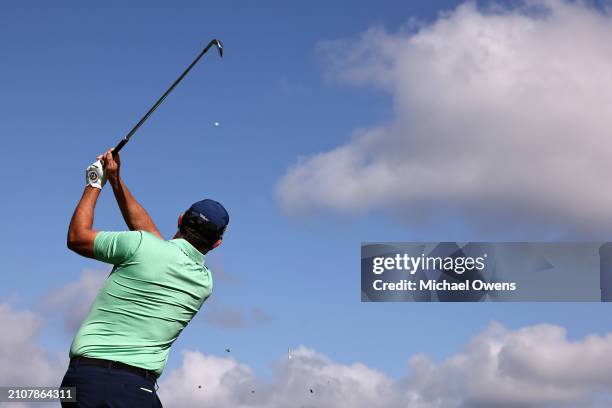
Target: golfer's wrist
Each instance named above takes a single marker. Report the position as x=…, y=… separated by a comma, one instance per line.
x=92, y=191
x=115, y=182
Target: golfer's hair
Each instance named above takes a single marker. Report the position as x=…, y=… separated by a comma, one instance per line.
x=196, y=239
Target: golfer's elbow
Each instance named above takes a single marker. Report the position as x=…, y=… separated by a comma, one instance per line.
x=72, y=241
x=81, y=242
x=75, y=239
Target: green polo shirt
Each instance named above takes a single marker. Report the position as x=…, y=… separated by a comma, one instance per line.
x=155, y=288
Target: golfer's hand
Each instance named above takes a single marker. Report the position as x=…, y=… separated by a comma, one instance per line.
x=95, y=175
x=111, y=166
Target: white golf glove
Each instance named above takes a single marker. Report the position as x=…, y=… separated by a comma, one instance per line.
x=95, y=175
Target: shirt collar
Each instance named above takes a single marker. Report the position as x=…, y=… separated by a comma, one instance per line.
x=189, y=250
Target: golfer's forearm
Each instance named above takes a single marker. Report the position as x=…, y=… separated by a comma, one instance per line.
x=83, y=216
x=81, y=225
x=135, y=216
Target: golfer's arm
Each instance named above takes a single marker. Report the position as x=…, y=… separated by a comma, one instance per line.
x=81, y=235
x=135, y=216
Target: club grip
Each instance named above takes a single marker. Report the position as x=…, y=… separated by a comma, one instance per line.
x=119, y=147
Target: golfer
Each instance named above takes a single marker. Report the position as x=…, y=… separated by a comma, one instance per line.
x=154, y=290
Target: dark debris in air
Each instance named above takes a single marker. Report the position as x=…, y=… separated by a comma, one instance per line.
x=228, y=350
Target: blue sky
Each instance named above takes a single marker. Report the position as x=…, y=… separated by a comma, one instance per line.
x=76, y=77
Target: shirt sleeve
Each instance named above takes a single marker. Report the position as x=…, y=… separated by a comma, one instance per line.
x=116, y=247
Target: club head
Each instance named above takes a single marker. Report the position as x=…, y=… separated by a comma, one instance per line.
x=219, y=45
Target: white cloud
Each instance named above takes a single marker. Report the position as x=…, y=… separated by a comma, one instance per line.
x=227, y=383
x=533, y=367
x=501, y=117
x=218, y=377
x=23, y=362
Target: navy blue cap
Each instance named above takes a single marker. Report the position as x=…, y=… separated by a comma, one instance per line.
x=207, y=217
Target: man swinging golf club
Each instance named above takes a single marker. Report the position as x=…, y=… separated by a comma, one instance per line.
x=155, y=288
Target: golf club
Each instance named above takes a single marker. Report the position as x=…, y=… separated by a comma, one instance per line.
x=127, y=137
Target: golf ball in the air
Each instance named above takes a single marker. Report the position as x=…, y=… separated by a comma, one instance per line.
x=216, y=124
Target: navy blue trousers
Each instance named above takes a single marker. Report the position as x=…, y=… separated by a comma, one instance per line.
x=98, y=387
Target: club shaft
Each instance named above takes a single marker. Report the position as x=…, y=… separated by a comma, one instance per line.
x=160, y=100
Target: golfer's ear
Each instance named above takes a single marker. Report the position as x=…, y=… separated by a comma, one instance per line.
x=216, y=244
x=180, y=219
